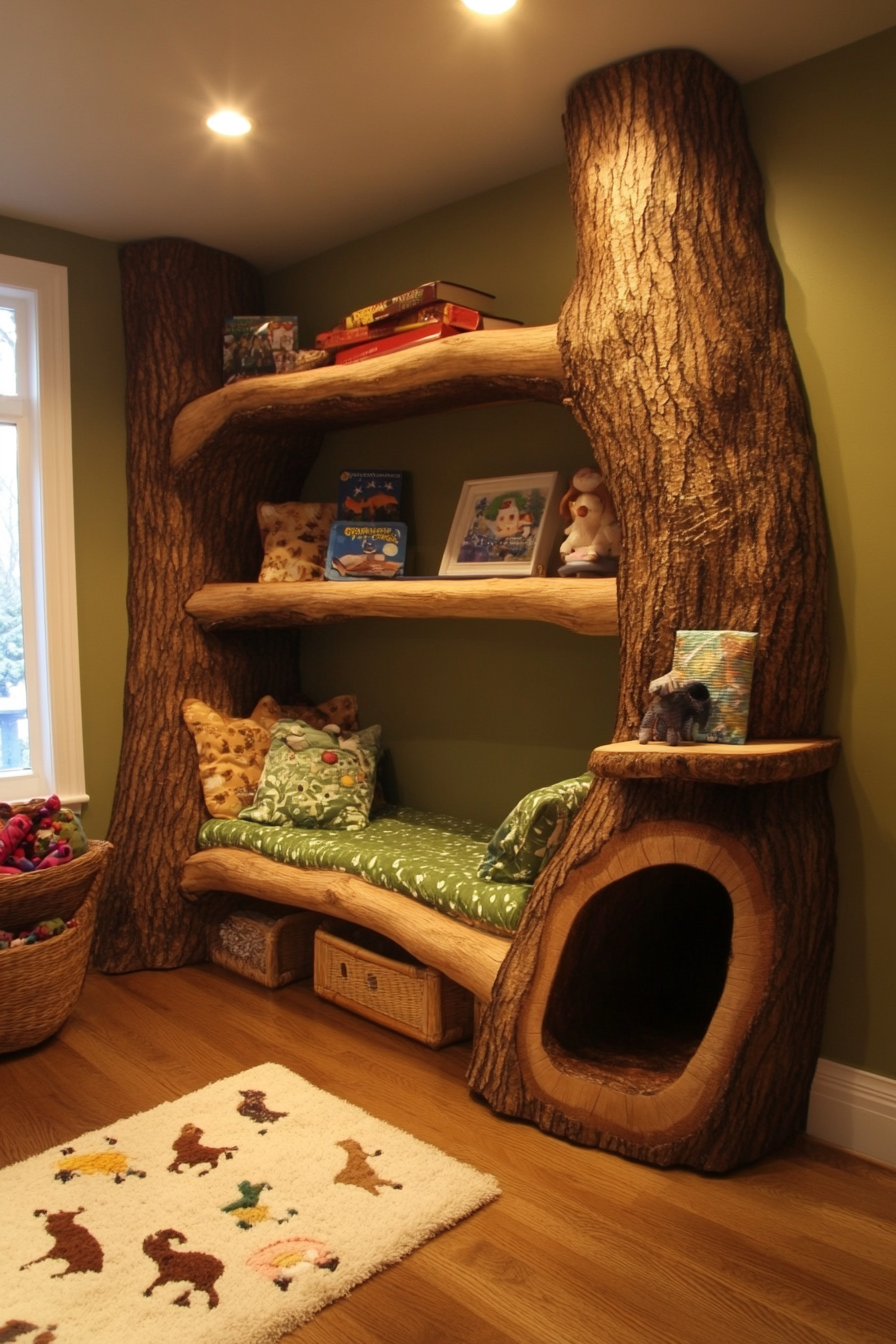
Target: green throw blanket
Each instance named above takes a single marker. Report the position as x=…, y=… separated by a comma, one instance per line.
x=431, y=858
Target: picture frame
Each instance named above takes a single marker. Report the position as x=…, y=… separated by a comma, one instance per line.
x=503, y=526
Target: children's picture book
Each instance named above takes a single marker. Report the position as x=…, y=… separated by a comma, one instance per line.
x=256, y=345
x=369, y=496
x=504, y=525
x=723, y=661
x=366, y=550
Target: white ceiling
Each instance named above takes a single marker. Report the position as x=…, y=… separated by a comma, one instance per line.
x=366, y=112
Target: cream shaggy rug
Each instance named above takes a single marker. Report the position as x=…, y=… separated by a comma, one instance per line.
x=232, y=1215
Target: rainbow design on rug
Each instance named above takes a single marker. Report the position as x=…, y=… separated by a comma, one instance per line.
x=191, y=1245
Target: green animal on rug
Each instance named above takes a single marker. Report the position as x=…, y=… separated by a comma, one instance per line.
x=248, y=1211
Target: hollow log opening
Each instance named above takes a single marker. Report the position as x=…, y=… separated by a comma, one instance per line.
x=640, y=978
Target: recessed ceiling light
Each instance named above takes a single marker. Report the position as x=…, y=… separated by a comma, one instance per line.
x=229, y=123
x=490, y=6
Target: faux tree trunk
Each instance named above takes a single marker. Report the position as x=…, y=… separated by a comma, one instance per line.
x=183, y=532
x=682, y=373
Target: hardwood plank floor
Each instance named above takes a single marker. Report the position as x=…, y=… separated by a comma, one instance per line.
x=582, y=1248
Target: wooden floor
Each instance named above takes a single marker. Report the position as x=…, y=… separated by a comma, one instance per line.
x=582, y=1248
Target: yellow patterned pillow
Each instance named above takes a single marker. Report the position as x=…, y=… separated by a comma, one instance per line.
x=295, y=538
x=231, y=756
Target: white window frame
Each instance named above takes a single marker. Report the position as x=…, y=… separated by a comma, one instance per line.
x=42, y=413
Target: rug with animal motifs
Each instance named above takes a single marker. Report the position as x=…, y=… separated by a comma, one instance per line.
x=231, y=1215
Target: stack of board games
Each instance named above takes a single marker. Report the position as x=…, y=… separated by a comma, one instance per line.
x=255, y=346
x=430, y=312
x=367, y=541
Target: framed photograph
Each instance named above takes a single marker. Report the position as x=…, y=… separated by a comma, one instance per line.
x=504, y=525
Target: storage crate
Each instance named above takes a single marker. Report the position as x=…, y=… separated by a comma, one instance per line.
x=266, y=943
x=394, y=990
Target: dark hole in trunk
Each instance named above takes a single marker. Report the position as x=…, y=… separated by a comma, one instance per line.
x=640, y=977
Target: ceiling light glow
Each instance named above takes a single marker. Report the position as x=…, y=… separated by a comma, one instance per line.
x=229, y=123
x=490, y=6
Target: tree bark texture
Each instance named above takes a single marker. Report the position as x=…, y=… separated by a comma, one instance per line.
x=200, y=527
x=681, y=371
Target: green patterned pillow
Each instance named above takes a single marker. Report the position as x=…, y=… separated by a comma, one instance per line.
x=316, y=780
x=533, y=832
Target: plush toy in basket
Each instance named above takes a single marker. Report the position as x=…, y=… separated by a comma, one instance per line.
x=47, y=911
x=38, y=834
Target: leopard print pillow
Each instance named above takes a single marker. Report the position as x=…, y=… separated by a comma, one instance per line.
x=295, y=538
x=231, y=756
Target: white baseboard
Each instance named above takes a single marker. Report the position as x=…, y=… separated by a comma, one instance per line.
x=854, y=1109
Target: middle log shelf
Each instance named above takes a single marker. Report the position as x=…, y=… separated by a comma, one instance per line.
x=585, y=606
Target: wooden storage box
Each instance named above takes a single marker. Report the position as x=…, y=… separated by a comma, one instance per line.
x=266, y=943
x=396, y=991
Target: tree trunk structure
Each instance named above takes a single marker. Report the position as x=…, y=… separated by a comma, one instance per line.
x=664, y=994
x=183, y=533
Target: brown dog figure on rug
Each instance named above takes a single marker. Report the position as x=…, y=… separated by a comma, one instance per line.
x=254, y=1108
x=193, y=1267
x=70, y=1242
x=190, y=1151
x=358, y=1171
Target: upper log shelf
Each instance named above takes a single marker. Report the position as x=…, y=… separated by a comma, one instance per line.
x=586, y=606
x=759, y=762
x=469, y=369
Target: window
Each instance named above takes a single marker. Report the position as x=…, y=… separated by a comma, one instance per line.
x=41, y=748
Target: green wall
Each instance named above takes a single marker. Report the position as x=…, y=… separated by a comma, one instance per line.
x=823, y=133
x=475, y=714
x=98, y=449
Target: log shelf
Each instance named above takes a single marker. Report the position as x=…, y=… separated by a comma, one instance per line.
x=586, y=606
x=716, y=762
x=470, y=369
x=470, y=956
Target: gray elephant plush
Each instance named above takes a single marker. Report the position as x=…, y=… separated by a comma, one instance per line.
x=677, y=705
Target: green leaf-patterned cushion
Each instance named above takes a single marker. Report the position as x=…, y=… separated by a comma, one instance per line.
x=316, y=780
x=534, y=831
x=428, y=857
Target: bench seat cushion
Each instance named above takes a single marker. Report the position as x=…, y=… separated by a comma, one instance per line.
x=431, y=858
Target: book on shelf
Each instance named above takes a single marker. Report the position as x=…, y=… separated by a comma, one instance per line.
x=402, y=340
x=255, y=345
x=451, y=314
x=369, y=496
x=366, y=551
x=434, y=291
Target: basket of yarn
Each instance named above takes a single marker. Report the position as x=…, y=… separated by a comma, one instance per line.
x=40, y=980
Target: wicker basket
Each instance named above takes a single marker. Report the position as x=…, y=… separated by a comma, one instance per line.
x=279, y=953
x=401, y=994
x=40, y=984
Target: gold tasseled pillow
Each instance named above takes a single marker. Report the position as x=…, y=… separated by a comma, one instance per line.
x=342, y=711
x=231, y=756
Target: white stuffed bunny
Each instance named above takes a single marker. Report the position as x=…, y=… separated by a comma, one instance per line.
x=594, y=528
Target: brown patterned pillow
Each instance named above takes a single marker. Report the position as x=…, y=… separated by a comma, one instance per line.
x=295, y=538
x=231, y=756
x=342, y=710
